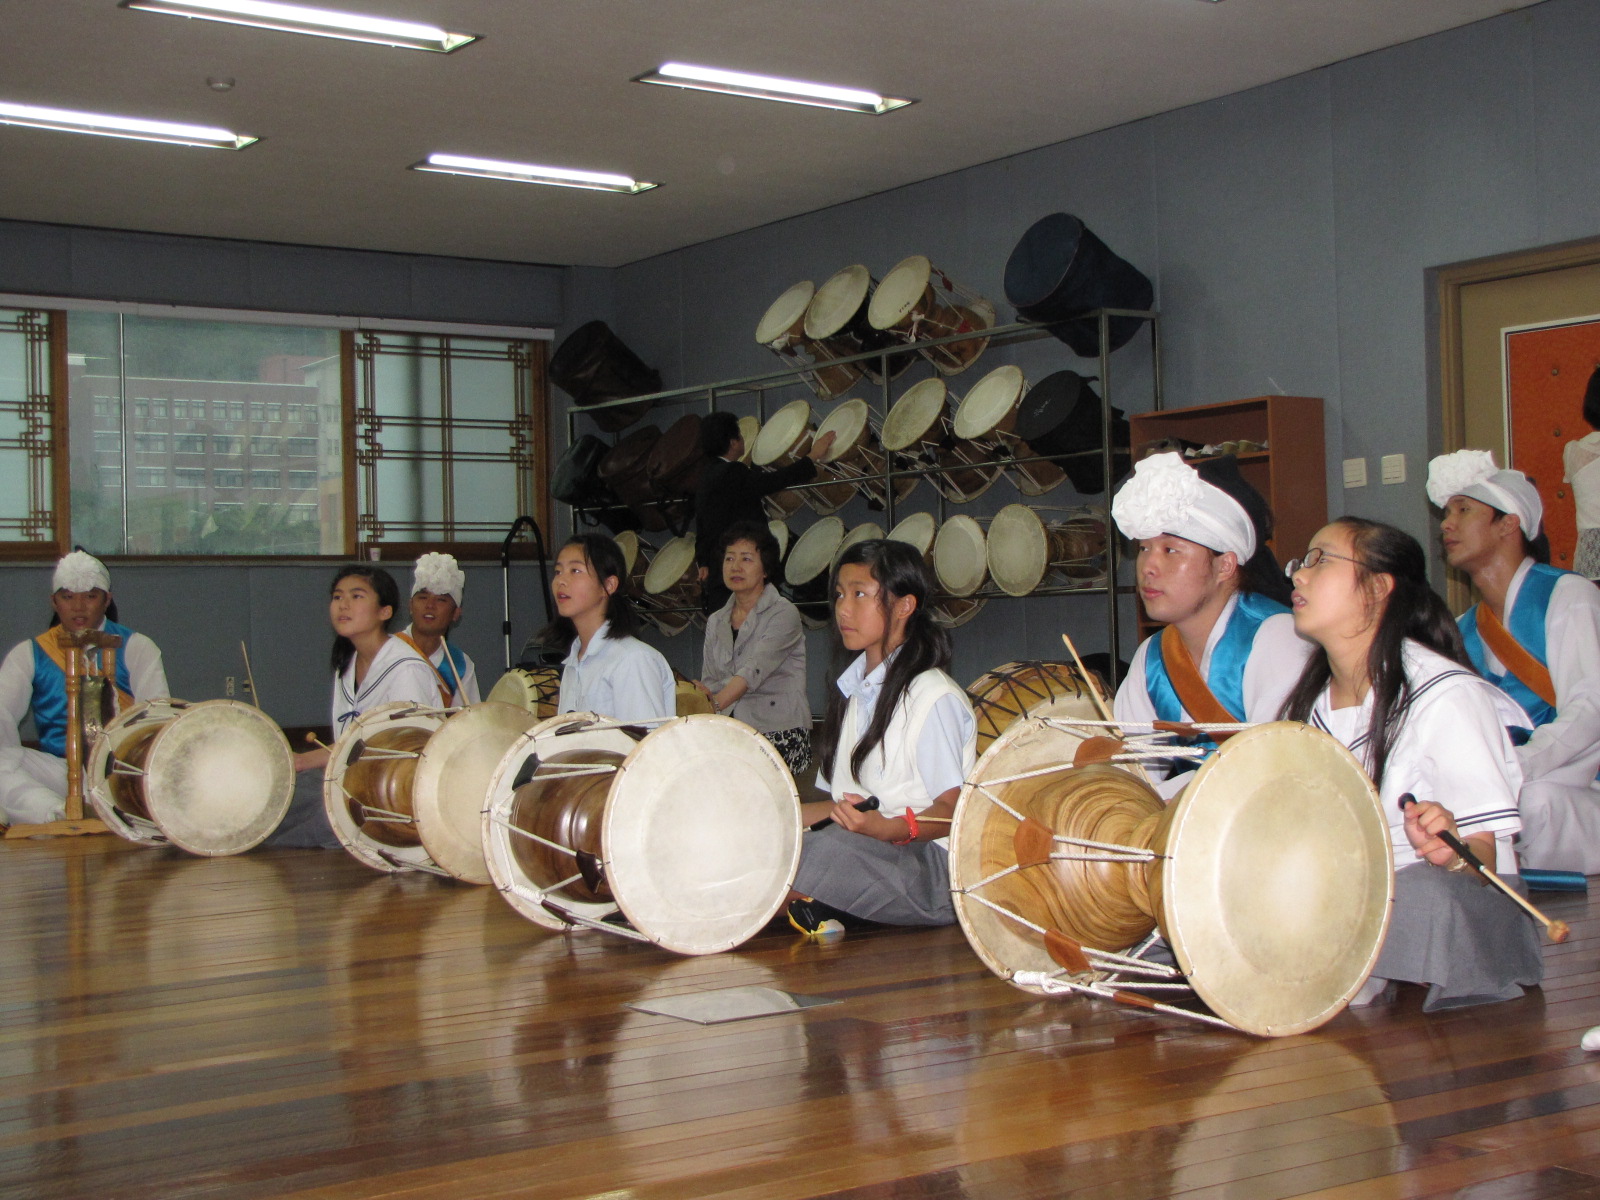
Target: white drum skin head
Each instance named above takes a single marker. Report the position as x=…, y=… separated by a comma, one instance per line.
x=669, y=564
x=785, y=313
x=1018, y=550
x=991, y=398
x=864, y=532
x=914, y=414
x=917, y=530
x=847, y=423
x=837, y=301
x=814, y=551
x=960, y=556
x=899, y=292
x=781, y=433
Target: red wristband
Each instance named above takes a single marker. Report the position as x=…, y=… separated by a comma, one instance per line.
x=911, y=823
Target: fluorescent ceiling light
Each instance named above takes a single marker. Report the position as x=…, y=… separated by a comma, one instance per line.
x=296, y=18
x=488, y=168
x=767, y=87
x=67, y=121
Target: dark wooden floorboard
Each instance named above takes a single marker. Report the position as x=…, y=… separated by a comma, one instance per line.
x=291, y=1023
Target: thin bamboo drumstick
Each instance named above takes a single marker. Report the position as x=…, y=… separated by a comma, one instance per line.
x=1088, y=682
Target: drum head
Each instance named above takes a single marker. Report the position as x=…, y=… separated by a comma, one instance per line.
x=749, y=431
x=901, y=290
x=530, y=690
x=838, y=301
x=865, y=532
x=628, y=542
x=990, y=399
x=916, y=530
x=453, y=778
x=780, y=534
x=960, y=558
x=702, y=834
x=814, y=551
x=1279, y=879
x=781, y=433
x=669, y=564
x=98, y=756
x=690, y=700
x=914, y=414
x=1019, y=553
x=847, y=423
x=786, y=312
x=1007, y=694
x=394, y=717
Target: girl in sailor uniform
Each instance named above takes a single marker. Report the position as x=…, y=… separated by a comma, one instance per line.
x=899, y=730
x=1204, y=570
x=1390, y=681
x=370, y=667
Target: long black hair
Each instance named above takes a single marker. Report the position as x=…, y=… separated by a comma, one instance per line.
x=388, y=593
x=1260, y=573
x=605, y=559
x=1413, y=610
x=900, y=571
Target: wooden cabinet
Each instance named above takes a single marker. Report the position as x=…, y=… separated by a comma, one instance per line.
x=1291, y=472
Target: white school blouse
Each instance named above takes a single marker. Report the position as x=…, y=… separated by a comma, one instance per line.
x=621, y=678
x=1452, y=748
x=397, y=673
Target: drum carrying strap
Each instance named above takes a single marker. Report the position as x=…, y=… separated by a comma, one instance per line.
x=446, y=692
x=1530, y=672
x=1521, y=648
x=1197, y=698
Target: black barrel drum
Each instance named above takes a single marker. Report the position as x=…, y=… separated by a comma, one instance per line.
x=593, y=365
x=1059, y=418
x=1060, y=270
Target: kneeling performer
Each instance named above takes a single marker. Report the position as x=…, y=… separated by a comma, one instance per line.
x=437, y=585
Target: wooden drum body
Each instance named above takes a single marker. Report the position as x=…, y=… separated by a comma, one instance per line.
x=1007, y=694
x=404, y=786
x=692, y=831
x=837, y=324
x=785, y=438
x=919, y=429
x=211, y=778
x=987, y=417
x=1270, y=877
x=916, y=302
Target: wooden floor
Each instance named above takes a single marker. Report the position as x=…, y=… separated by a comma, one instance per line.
x=292, y=1023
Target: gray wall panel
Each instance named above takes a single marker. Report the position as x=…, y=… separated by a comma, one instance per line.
x=1564, y=49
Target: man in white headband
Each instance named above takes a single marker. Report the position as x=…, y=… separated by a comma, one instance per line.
x=1229, y=651
x=33, y=783
x=437, y=586
x=1536, y=635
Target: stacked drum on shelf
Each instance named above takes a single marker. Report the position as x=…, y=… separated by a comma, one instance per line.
x=849, y=340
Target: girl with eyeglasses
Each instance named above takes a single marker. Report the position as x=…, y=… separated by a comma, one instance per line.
x=1389, y=680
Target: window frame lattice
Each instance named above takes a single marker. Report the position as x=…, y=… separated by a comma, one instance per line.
x=42, y=438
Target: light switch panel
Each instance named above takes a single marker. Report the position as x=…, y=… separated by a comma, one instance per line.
x=1355, y=472
x=1394, y=468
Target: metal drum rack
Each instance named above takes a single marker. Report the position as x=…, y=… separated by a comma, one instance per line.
x=713, y=395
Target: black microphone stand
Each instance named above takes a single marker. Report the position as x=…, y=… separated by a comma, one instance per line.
x=522, y=522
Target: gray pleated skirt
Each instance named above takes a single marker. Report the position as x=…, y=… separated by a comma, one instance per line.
x=306, y=824
x=877, y=881
x=1467, y=941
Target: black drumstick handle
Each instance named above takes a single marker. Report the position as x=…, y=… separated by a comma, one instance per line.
x=867, y=805
x=1448, y=838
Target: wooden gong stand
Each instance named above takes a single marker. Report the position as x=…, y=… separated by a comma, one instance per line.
x=80, y=666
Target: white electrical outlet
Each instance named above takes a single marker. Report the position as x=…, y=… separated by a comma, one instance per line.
x=227, y=686
x=1394, y=468
x=1355, y=472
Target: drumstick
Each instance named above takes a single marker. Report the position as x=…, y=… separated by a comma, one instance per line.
x=1557, y=930
x=1088, y=682
x=867, y=805
x=249, y=675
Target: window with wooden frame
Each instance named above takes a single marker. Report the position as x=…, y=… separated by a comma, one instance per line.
x=447, y=440
x=33, y=434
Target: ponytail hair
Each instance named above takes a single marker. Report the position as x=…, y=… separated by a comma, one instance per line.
x=605, y=559
x=900, y=571
x=1412, y=611
x=388, y=593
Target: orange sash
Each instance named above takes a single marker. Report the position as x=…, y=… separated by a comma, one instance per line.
x=49, y=642
x=1193, y=693
x=446, y=692
x=1535, y=676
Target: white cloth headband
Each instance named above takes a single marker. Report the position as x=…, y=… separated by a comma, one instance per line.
x=1166, y=495
x=1472, y=473
x=439, y=574
x=80, y=572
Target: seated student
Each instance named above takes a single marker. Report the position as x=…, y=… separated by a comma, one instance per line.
x=754, y=662
x=437, y=585
x=1229, y=651
x=898, y=729
x=730, y=493
x=1390, y=681
x=370, y=668
x=1536, y=636
x=607, y=670
x=33, y=783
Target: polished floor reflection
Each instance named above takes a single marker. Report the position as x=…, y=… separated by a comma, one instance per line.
x=292, y=1023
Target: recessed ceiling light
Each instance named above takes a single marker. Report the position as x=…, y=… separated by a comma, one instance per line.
x=297, y=18
x=488, y=168
x=767, y=87
x=67, y=121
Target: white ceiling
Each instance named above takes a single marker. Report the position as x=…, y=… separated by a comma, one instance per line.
x=550, y=83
